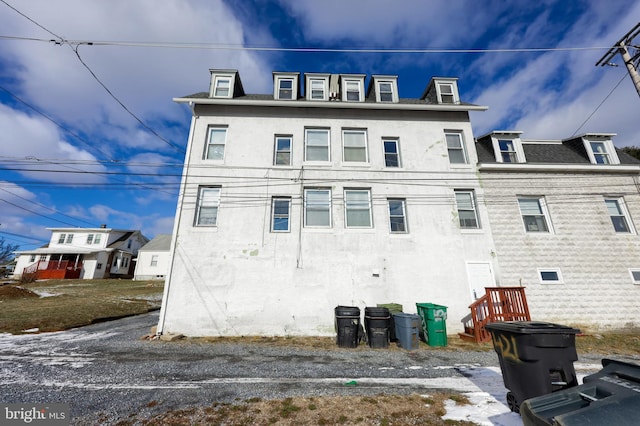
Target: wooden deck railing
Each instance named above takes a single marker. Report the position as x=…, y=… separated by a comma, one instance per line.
x=43, y=269
x=498, y=304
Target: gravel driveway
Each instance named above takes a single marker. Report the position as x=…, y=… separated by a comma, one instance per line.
x=107, y=372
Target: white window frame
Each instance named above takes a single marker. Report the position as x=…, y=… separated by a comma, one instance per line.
x=362, y=145
x=543, y=212
x=318, y=205
x=461, y=149
x=352, y=205
x=217, y=85
x=323, y=88
x=510, y=153
x=392, y=92
x=97, y=239
x=291, y=90
x=62, y=238
x=69, y=239
x=633, y=278
x=211, y=201
x=90, y=239
x=622, y=212
x=347, y=88
x=307, y=145
x=517, y=151
x=609, y=152
x=451, y=92
x=403, y=206
x=277, y=150
x=208, y=153
x=396, y=143
x=279, y=215
x=543, y=271
x=154, y=260
x=474, y=208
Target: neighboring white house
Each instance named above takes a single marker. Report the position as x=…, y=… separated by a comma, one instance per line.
x=564, y=218
x=296, y=202
x=85, y=253
x=153, y=259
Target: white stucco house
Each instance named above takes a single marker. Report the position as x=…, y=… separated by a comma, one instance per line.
x=563, y=215
x=85, y=253
x=331, y=190
x=152, y=262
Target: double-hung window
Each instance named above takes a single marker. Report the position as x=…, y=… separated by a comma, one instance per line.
x=282, y=155
x=154, y=260
x=97, y=239
x=534, y=214
x=618, y=214
x=467, y=209
x=600, y=152
x=280, y=214
x=90, y=239
x=508, y=151
x=354, y=146
x=208, y=203
x=455, y=148
x=69, y=239
x=318, y=89
x=446, y=93
x=357, y=203
x=317, y=207
x=385, y=91
x=285, y=88
x=353, y=91
x=222, y=87
x=62, y=238
x=216, y=142
x=391, y=152
x=397, y=215
x=316, y=145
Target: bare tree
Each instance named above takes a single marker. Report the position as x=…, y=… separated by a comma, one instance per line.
x=6, y=251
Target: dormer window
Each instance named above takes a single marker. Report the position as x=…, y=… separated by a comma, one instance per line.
x=353, y=88
x=318, y=90
x=600, y=149
x=600, y=153
x=385, y=88
x=385, y=91
x=507, y=151
x=507, y=147
x=446, y=93
x=222, y=87
x=285, y=86
x=225, y=84
x=316, y=86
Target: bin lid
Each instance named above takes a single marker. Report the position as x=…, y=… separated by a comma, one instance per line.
x=430, y=306
x=531, y=327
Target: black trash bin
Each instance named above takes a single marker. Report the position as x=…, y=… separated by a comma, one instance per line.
x=347, y=324
x=536, y=358
x=609, y=397
x=377, y=323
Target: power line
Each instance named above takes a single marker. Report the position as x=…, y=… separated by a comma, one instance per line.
x=225, y=46
x=599, y=105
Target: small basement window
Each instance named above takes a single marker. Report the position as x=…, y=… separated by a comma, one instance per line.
x=635, y=275
x=550, y=276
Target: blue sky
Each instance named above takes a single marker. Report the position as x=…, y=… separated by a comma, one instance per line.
x=90, y=134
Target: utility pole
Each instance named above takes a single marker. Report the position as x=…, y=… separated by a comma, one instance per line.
x=630, y=60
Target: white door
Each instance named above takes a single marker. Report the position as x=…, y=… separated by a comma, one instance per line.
x=480, y=275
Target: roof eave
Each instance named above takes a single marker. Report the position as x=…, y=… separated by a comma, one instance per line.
x=523, y=167
x=329, y=104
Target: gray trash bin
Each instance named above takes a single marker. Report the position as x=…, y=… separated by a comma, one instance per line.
x=407, y=329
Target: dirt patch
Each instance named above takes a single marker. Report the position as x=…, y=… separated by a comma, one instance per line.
x=15, y=292
x=353, y=410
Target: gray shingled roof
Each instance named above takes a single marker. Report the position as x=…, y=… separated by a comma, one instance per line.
x=161, y=242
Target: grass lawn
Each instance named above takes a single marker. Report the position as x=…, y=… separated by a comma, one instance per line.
x=54, y=305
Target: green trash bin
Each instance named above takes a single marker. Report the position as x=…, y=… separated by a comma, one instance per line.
x=434, y=323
